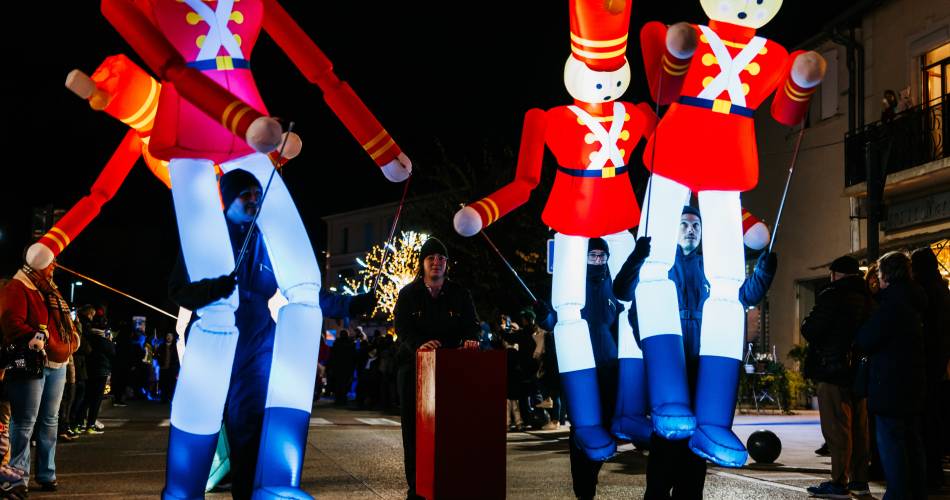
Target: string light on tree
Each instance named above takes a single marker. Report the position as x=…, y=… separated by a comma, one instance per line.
x=398, y=270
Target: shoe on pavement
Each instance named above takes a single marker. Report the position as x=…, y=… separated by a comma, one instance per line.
x=829, y=489
x=65, y=436
x=48, y=485
x=858, y=489
x=550, y=426
x=94, y=431
x=99, y=426
x=823, y=451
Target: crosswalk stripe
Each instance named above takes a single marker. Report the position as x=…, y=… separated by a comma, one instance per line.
x=320, y=421
x=377, y=421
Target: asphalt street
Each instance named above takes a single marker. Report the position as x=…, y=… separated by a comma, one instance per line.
x=358, y=455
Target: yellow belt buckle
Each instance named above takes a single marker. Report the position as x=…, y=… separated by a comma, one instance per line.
x=608, y=172
x=224, y=62
x=721, y=106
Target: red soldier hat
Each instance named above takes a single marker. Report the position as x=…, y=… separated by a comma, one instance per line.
x=599, y=30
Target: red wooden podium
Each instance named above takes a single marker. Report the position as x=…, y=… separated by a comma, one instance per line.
x=460, y=424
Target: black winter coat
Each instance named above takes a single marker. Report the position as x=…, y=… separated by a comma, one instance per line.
x=840, y=310
x=101, y=354
x=449, y=318
x=936, y=318
x=893, y=338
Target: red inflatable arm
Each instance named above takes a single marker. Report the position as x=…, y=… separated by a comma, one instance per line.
x=665, y=72
x=528, y=174
x=318, y=69
x=105, y=187
x=162, y=58
x=791, y=100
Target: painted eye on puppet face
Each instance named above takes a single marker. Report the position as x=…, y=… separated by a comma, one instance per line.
x=599, y=86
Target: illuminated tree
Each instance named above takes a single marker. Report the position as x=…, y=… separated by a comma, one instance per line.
x=399, y=265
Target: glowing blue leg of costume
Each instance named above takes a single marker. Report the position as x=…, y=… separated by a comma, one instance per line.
x=296, y=341
x=574, y=352
x=630, y=414
x=206, y=369
x=721, y=334
x=658, y=313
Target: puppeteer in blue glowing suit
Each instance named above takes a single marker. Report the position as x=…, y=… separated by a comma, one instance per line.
x=256, y=284
x=692, y=289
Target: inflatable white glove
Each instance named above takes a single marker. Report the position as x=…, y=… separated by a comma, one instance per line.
x=681, y=40
x=38, y=256
x=757, y=237
x=467, y=222
x=398, y=169
x=264, y=134
x=808, y=70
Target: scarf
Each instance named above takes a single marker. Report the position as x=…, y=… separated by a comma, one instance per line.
x=55, y=303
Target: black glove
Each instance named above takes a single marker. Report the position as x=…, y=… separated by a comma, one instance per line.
x=767, y=263
x=362, y=304
x=642, y=249
x=541, y=310
x=221, y=287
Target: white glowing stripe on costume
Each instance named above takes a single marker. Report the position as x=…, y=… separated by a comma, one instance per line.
x=730, y=68
x=568, y=296
x=620, y=245
x=206, y=249
x=608, y=140
x=657, y=300
x=297, y=338
x=722, y=330
x=218, y=32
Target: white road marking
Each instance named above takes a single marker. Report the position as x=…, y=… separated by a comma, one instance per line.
x=378, y=421
x=319, y=421
x=759, y=481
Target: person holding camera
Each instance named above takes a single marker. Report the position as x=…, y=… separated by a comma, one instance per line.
x=34, y=315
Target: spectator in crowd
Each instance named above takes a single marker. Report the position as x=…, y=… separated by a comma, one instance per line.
x=893, y=339
x=86, y=314
x=341, y=366
x=936, y=324
x=128, y=357
x=671, y=466
x=34, y=314
x=432, y=312
x=69, y=394
x=839, y=311
x=99, y=361
x=169, y=363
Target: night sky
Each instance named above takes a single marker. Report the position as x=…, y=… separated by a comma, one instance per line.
x=434, y=75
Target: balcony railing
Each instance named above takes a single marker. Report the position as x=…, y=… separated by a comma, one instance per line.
x=909, y=139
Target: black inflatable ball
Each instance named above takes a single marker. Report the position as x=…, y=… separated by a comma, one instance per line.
x=764, y=446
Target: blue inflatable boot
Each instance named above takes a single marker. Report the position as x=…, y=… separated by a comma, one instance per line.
x=669, y=393
x=630, y=420
x=189, y=462
x=583, y=406
x=280, y=461
x=715, y=407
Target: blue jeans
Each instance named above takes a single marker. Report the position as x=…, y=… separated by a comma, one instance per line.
x=36, y=403
x=902, y=456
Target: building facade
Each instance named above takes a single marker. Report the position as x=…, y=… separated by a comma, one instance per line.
x=872, y=160
x=350, y=235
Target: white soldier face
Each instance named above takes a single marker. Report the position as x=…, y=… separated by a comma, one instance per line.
x=748, y=13
x=587, y=85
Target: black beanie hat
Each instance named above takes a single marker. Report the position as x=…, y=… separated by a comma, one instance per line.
x=845, y=265
x=430, y=247
x=233, y=182
x=598, y=244
x=689, y=209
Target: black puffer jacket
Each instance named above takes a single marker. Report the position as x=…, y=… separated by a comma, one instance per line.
x=894, y=340
x=840, y=310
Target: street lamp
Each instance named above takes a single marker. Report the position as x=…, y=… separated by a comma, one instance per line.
x=72, y=290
